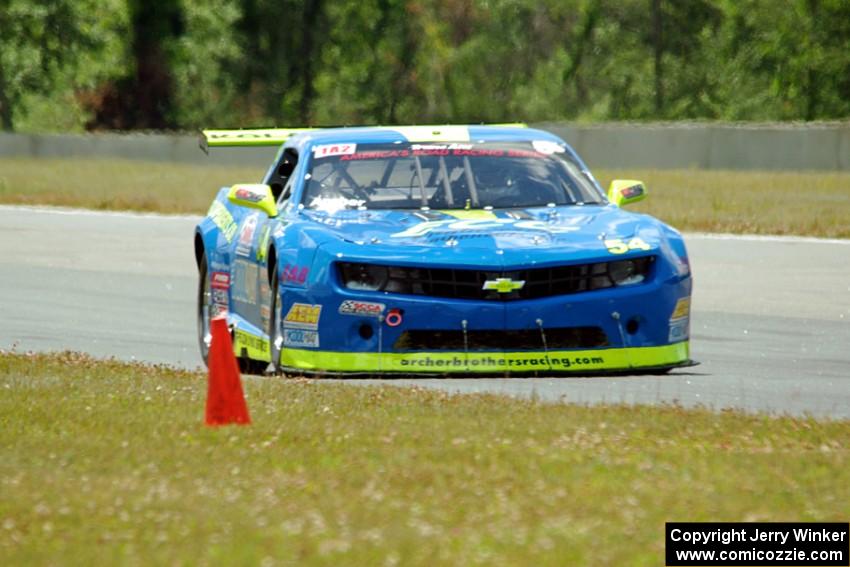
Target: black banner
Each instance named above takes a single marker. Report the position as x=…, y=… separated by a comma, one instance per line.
x=747, y=543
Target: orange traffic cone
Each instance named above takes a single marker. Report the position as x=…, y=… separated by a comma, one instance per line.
x=225, y=400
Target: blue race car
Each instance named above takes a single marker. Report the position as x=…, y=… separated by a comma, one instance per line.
x=438, y=250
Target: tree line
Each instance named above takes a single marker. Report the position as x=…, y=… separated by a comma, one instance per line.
x=183, y=64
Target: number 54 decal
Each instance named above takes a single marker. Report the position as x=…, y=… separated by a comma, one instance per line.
x=620, y=246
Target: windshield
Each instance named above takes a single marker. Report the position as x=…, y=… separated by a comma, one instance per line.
x=445, y=176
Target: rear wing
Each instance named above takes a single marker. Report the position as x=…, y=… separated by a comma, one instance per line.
x=251, y=137
x=277, y=136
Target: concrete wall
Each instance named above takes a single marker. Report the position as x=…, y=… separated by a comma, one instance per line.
x=822, y=146
x=819, y=146
x=146, y=147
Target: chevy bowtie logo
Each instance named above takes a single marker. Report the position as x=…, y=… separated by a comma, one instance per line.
x=503, y=285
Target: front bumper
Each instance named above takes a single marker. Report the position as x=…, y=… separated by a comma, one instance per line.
x=645, y=328
x=586, y=362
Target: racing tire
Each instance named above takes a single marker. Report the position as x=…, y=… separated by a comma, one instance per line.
x=204, y=309
x=275, y=333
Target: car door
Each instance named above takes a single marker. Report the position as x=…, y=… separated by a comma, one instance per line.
x=251, y=294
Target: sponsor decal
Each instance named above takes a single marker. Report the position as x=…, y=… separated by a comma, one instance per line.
x=248, y=195
x=508, y=361
x=245, y=281
x=547, y=147
x=376, y=154
x=620, y=246
x=218, y=306
x=416, y=147
x=633, y=191
x=568, y=360
x=294, y=274
x=303, y=316
x=222, y=218
x=219, y=286
x=331, y=205
x=526, y=154
x=274, y=134
x=503, y=285
x=455, y=150
x=300, y=338
x=471, y=152
x=246, y=235
x=220, y=280
x=424, y=228
x=328, y=150
x=251, y=342
x=238, y=135
x=363, y=308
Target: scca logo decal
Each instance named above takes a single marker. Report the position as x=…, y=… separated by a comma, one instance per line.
x=365, y=308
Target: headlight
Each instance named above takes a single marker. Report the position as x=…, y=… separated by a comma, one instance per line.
x=363, y=277
x=628, y=272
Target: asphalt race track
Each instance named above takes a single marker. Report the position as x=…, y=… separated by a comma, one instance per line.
x=770, y=321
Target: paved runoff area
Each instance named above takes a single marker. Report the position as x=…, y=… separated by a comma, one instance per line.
x=770, y=317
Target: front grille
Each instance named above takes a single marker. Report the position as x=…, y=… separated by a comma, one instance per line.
x=526, y=339
x=469, y=284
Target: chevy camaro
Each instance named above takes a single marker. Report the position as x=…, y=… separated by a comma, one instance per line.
x=438, y=250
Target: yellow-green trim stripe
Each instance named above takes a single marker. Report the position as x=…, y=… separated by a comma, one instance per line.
x=472, y=214
x=443, y=362
x=277, y=136
x=256, y=348
x=248, y=137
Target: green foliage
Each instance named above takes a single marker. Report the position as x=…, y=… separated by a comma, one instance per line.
x=322, y=62
x=369, y=78
x=40, y=42
x=205, y=92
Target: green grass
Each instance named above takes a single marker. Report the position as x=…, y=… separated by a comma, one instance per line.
x=117, y=184
x=806, y=203
x=104, y=463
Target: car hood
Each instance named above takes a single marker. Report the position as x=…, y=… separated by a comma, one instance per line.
x=516, y=229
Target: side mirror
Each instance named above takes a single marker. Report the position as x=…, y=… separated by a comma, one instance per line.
x=626, y=191
x=253, y=196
